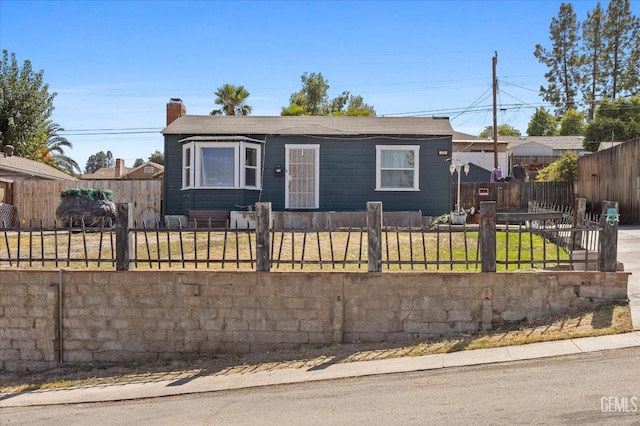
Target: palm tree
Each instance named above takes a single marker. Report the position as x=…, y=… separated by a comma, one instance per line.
x=53, y=151
x=232, y=100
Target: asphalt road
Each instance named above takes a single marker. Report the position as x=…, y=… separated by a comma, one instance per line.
x=594, y=388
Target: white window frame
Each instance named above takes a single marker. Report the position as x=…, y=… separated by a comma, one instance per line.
x=258, y=166
x=194, y=171
x=416, y=166
x=187, y=170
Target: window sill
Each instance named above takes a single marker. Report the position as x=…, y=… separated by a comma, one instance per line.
x=225, y=188
x=397, y=190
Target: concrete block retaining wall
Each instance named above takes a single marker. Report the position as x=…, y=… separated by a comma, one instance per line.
x=131, y=316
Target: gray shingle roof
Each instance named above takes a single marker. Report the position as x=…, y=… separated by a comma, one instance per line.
x=557, y=142
x=308, y=125
x=21, y=166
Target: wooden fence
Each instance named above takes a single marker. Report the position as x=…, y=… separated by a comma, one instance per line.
x=37, y=201
x=613, y=174
x=514, y=195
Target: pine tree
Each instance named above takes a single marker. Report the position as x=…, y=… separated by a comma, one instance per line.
x=620, y=28
x=563, y=61
x=593, y=61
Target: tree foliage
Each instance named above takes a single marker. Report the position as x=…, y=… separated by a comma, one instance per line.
x=313, y=99
x=616, y=120
x=503, y=130
x=354, y=106
x=565, y=168
x=25, y=107
x=621, y=37
x=563, y=61
x=542, y=123
x=157, y=157
x=139, y=162
x=601, y=62
x=98, y=161
x=52, y=152
x=572, y=123
x=593, y=59
x=232, y=100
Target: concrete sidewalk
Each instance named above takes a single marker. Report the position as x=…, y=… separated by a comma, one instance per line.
x=212, y=383
x=629, y=255
x=628, y=250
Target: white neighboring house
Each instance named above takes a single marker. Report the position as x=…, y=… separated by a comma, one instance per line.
x=479, y=151
x=537, y=152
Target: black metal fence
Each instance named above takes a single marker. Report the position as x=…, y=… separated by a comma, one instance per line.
x=541, y=239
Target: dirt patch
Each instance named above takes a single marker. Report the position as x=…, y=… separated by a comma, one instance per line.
x=613, y=319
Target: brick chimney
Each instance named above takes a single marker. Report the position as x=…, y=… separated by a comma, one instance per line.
x=175, y=109
x=120, y=169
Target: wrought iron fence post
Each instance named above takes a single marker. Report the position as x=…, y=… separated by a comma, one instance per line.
x=487, y=235
x=374, y=235
x=609, y=237
x=124, y=222
x=263, y=237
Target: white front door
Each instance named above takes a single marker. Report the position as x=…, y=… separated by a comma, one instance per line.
x=302, y=176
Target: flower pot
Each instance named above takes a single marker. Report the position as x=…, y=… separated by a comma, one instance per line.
x=458, y=218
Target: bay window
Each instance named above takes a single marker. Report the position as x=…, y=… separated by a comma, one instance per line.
x=221, y=164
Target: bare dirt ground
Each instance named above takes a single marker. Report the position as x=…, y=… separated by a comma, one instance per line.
x=612, y=319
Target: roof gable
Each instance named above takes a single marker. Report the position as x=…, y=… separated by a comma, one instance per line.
x=157, y=167
x=110, y=172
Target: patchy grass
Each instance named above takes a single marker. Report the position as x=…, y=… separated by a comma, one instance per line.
x=611, y=319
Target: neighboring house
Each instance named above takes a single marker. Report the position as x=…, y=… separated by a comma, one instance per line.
x=537, y=152
x=480, y=152
x=19, y=169
x=148, y=170
x=14, y=170
x=607, y=145
x=305, y=163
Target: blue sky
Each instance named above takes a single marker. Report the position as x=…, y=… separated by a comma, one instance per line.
x=115, y=64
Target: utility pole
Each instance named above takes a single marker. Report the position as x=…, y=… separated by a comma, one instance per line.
x=495, y=112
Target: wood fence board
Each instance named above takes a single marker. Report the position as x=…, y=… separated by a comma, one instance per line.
x=613, y=174
x=515, y=195
x=37, y=201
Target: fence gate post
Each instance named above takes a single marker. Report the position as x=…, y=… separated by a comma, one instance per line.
x=124, y=222
x=487, y=235
x=579, y=213
x=263, y=237
x=374, y=234
x=609, y=238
